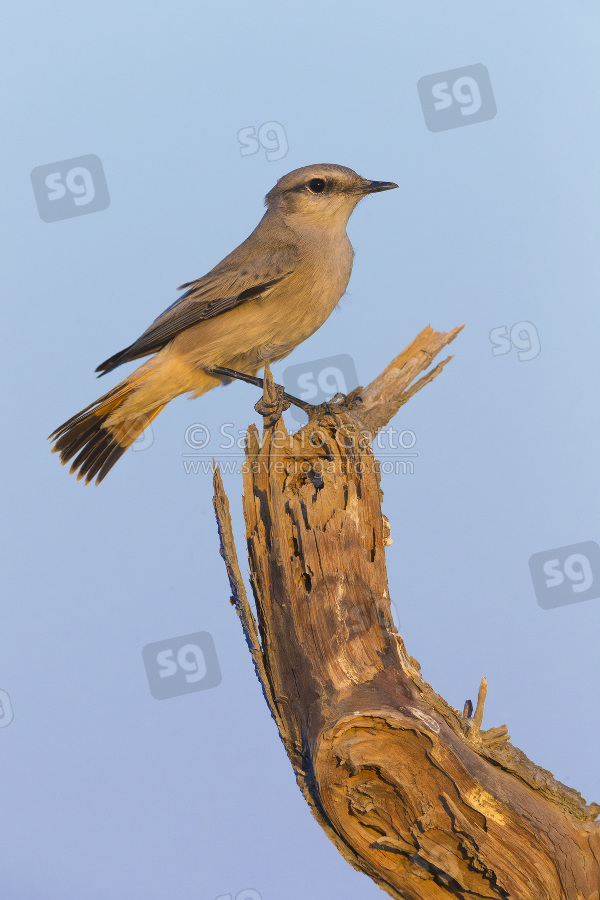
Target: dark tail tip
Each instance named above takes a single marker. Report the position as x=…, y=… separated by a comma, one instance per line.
x=96, y=448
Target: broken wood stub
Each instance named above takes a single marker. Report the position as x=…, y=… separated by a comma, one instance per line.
x=412, y=792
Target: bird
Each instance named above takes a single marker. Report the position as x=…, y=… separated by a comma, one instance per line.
x=254, y=307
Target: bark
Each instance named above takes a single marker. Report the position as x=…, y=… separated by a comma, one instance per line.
x=411, y=791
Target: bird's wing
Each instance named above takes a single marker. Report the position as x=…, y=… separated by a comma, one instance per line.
x=221, y=290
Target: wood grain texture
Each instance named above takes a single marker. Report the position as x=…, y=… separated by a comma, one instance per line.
x=411, y=791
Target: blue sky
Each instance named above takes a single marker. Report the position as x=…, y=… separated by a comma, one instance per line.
x=109, y=793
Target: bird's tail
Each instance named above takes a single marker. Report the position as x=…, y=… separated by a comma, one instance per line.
x=100, y=438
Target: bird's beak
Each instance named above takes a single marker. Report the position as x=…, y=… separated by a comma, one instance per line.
x=371, y=187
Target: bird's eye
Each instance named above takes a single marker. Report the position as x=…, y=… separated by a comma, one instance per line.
x=316, y=185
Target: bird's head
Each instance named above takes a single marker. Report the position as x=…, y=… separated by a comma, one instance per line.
x=321, y=194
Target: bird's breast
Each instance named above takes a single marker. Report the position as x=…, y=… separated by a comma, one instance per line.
x=309, y=295
x=304, y=301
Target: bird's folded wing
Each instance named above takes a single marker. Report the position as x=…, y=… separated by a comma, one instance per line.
x=218, y=292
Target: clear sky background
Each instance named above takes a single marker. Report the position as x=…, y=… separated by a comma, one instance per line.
x=108, y=793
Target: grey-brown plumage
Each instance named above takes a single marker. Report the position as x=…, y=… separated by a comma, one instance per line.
x=270, y=294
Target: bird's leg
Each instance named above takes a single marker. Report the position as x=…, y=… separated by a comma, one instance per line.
x=259, y=382
x=333, y=407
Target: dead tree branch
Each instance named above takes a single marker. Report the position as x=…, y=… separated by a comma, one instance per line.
x=411, y=791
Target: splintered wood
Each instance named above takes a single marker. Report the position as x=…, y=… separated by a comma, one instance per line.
x=412, y=792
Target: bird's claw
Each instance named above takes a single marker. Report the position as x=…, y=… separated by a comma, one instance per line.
x=337, y=407
x=349, y=401
x=271, y=407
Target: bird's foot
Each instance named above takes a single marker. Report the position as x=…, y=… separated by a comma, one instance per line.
x=273, y=401
x=347, y=401
x=337, y=408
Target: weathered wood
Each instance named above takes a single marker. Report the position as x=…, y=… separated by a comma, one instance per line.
x=412, y=792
